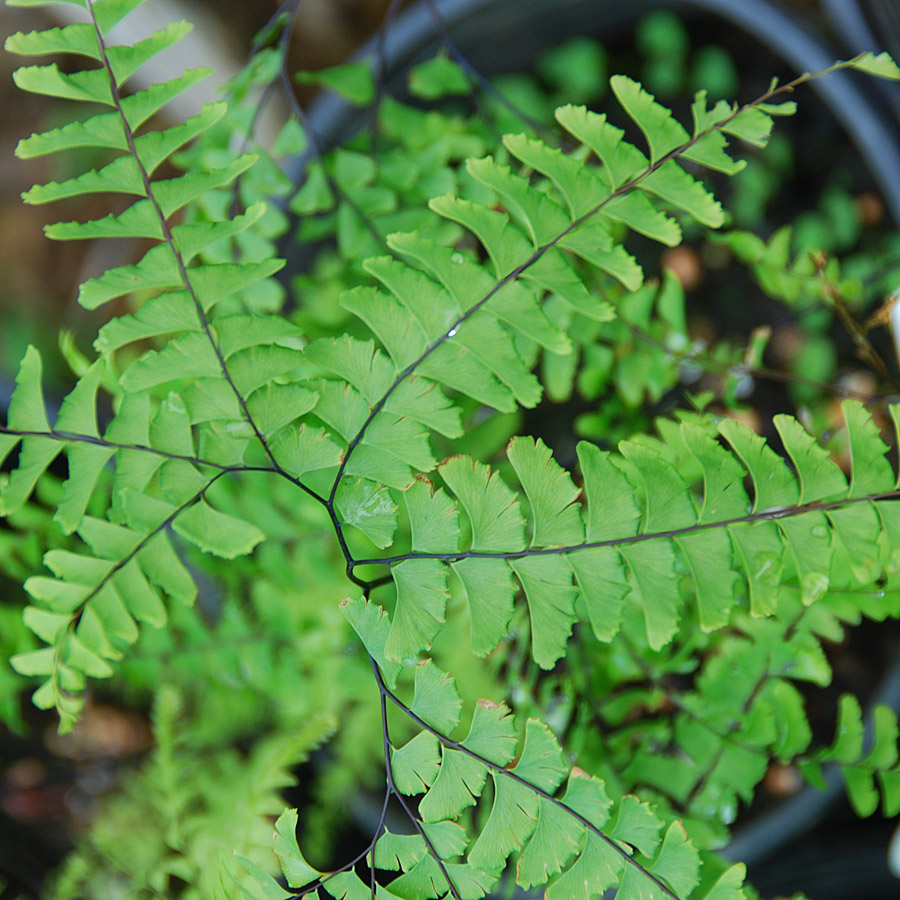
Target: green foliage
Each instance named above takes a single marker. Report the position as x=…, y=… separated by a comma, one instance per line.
x=675, y=585
x=196, y=814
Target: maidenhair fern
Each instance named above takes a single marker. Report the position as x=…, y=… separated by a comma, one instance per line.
x=702, y=538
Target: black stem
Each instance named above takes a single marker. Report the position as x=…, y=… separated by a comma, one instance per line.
x=509, y=773
x=769, y=515
x=515, y=273
x=168, y=237
x=383, y=697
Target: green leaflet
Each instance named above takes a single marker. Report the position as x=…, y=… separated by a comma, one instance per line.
x=551, y=836
x=870, y=776
x=872, y=472
x=352, y=80
x=297, y=871
x=457, y=786
x=490, y=590
x=667, y=500
x=416, y=764
x=436, y=700
x=819, y=477
x=597, y=868
x=372, y=625
x=369, y=507
x=419, y=614
x=671, y=183
x=216, y=532
x=709, y=149
x=510, y=824
x=773, y=484
x=541, y=215
x=621, y=161
x=550, y=493
x=491, y=507
x=438, y=77
x=506, y=245
x=612, y=508
x=663, y=133
x=433, y=519
x=580, y=187
x=556, y=839
x=547, y=583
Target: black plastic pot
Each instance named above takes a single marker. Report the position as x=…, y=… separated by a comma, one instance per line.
x=507, y=35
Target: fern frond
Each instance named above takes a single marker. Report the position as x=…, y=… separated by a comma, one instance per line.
x=646, y=527
x=89, y=612
x=467, y=325
x=869, y=773
x=187, y=412
x=559, y=823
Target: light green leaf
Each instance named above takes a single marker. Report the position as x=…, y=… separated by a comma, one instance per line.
x=709, y=557
x=601, y=579
x=512, y=819
x=357, y=362
x=436, y=700
x=421, y=600
x=773, y=483
x=297, y=871
x=666, y=495
x=541, y=763
x=492, y=734
x=393, y=325
x=635, y=824
x=555, y=840
x=663, y=133
x=612, y=511
x=638, y=213
x=306, y=449
x=458, y=784
x=433, y=518
x=371, y=624
x=655, y=587
x=490, y=591
x=215, y=532
x=369, y=507
x=621, y=160
x=438, y=77
x=880, y=65
x=542, y=216
x=820, y=477
x=673, y=185
x=579, y=185
x=872, y=472
x=416, y=764
x=547, y=582
x=729, y=885
x=550, y=492
x=423, y=401
x=493, y=511
x=597, y=868
x=677, y=862
x=351, y=80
